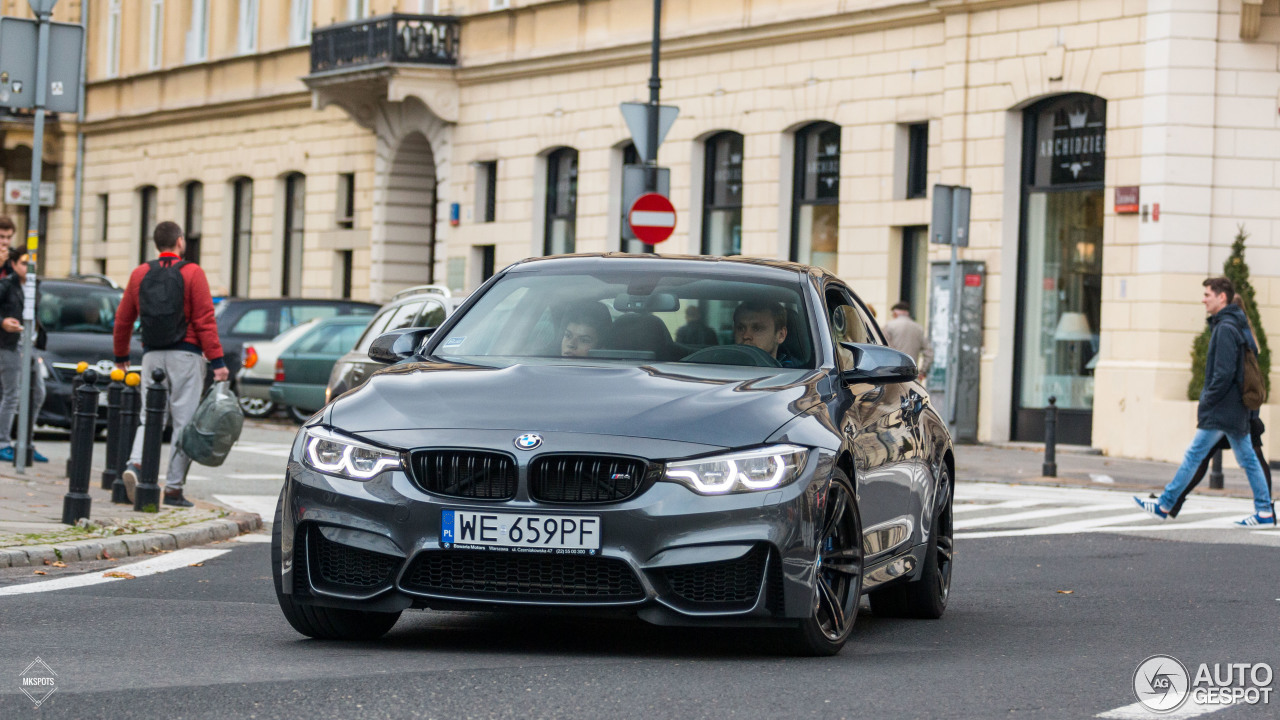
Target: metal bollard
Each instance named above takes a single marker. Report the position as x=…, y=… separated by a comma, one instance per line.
x=1216, y=480
x=146, y=495
x=76, y=382
x=1050, y=467
x=75, y=504
x=114, y=391
x=130, y=405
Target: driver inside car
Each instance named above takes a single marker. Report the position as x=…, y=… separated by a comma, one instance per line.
x=763, y=325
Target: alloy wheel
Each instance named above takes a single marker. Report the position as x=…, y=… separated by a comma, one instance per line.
x=839, y=577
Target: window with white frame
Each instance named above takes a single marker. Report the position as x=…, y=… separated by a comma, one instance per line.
x=113, y=39
x=357, y=9
x=499, y=4
x=156, y=57
x=300, y=22
x=198, y=32
x=248, y=35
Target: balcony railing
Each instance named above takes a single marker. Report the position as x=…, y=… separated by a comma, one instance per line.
x=386, y=39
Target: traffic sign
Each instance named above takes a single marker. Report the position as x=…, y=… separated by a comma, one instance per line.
x=652, y=218
x=637, y=117
x=18, y=65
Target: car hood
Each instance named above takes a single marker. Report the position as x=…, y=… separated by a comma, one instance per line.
x=713, y=405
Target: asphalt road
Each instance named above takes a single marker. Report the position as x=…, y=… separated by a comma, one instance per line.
x=210, y=642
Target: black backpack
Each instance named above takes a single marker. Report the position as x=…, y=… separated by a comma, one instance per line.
x=161, y=304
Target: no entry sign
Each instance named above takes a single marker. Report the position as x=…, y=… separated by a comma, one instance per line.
x=652, y=218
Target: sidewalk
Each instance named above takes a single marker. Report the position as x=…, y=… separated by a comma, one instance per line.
x=32, y=534
x=1077, y=466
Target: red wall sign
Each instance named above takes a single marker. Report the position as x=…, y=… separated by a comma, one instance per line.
x=1127, y=200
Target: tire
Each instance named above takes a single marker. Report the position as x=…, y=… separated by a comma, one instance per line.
x=299, y=416
x=838, y=586
x=256, y=407
x=323, y=623
x=925, y=597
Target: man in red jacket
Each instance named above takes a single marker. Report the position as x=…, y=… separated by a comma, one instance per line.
x=171, y=297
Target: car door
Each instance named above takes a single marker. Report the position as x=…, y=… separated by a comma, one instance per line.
x=308, y=363
x=879, y=428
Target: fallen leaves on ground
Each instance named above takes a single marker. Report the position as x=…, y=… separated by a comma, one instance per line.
x=196, y=565
x=1065, y=592
x=41, y=572
x=118, y=574
x=59, y=564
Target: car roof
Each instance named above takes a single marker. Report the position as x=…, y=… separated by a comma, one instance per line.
x=77, y=283
x=294, y=301
x=740, y=263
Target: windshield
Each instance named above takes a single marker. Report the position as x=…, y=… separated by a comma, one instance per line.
x=634, y=317
x=78, y=309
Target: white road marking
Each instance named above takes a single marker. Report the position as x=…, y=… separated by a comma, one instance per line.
x=256, y=476
x=253, y=538
x=263, y=505
x=1037, y=514
x=996, y=506
x=1100, y=524
x=150, y=566
x=1138, y=711
x=272, y=449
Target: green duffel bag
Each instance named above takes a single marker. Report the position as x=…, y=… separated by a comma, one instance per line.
x=208, y=438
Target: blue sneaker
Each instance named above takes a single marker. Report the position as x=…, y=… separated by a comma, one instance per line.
x=6, y=454
x=1152, y=507
x=35, y=455
x=1258, y=521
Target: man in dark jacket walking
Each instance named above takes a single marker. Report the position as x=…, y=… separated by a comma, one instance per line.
x=1222, y=412
x=171, y=297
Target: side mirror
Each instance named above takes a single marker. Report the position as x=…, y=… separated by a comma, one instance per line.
x=398, y=345
x=878, y=364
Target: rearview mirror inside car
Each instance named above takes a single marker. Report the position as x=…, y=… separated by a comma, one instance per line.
x=653, y=302
x=398, y=345
x=877, y=364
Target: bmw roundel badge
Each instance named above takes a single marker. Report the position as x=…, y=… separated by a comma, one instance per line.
x=528, y=441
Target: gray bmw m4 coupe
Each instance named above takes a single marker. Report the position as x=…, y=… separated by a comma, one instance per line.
x=693, y=441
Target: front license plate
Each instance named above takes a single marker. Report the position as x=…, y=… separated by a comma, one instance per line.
x=518, y=532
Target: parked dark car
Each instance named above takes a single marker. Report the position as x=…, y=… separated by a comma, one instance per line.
x=767, y=484
x=78, y=317
x=302, y=370
x=242, y=320
x=421, y=306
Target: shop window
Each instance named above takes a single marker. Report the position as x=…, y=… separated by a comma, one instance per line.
x=562, y=202
x=722, y=195
x=815, y=221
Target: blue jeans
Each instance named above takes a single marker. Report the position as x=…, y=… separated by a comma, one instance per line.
x=1201, y=446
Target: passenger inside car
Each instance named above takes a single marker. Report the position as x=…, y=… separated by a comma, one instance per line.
x=585, y=327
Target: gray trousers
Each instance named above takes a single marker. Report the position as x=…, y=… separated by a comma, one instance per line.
x=184, y=377
x=11, y=386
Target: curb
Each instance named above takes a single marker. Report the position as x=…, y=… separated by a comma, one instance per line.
x=121, y=546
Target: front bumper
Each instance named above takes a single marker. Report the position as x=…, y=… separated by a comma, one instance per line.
x=668, y=555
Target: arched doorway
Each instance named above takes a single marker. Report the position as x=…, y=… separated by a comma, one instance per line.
x=405, y=214
x=1060, y=266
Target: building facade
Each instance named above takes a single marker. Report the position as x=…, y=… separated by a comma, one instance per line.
x=332, y=147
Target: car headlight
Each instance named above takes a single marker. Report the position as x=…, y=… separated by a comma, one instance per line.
x=746, y=471
x=338, y=455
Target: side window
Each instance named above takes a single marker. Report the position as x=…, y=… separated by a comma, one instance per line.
x=871, y=330
x=375, y=329
x=299, y=314
x=404, y=316
x=846, y=324
x=253, y=322
x=432, y=315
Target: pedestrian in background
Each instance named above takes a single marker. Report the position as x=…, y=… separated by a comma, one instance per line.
x=906, y=335
x=695, y=331
x=12, y=302
x=7, y=229
x=1222, y=412
x=170, y=297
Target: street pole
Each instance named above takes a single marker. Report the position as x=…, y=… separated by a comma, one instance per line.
x=655, y=85
x=43, y=10
x=78, y=207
